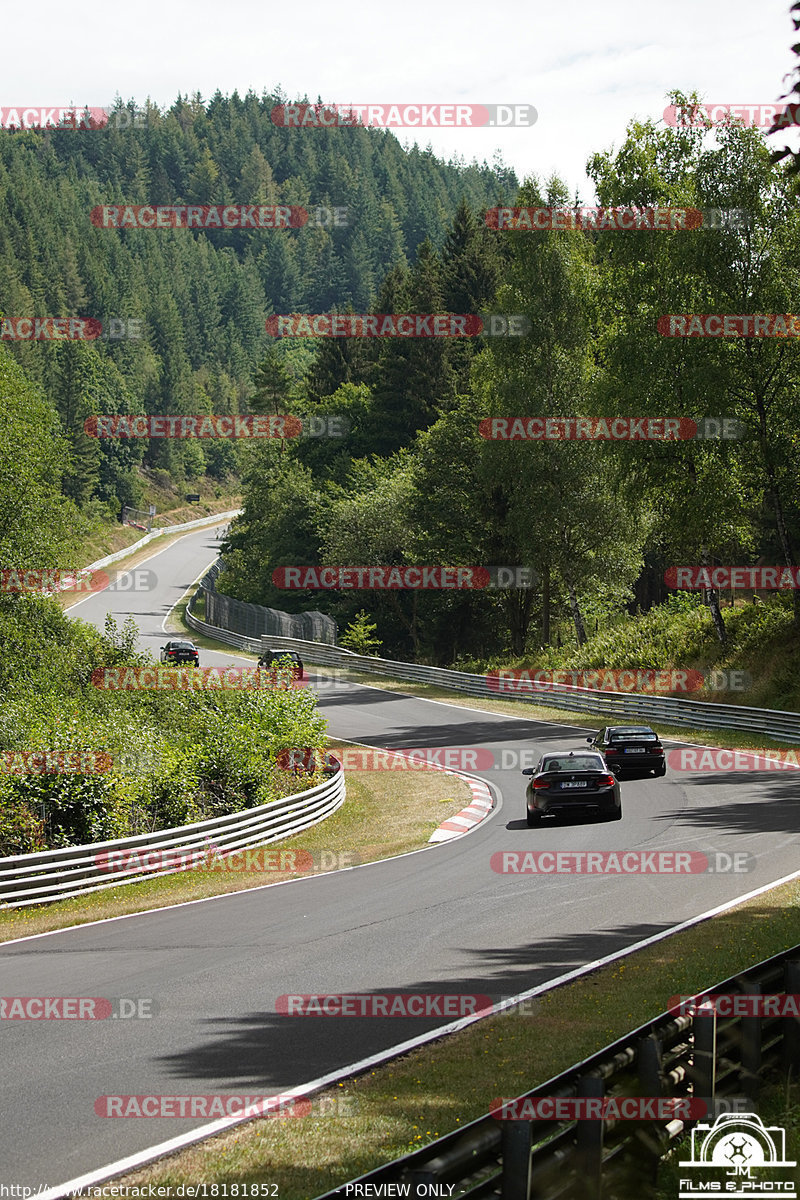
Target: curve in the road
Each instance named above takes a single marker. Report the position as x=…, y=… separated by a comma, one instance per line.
x=433, y=921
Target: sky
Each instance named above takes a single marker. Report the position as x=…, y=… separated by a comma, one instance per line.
x=588, y=67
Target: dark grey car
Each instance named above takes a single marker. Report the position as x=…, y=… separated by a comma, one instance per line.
x=572, y=782
x=630, y=749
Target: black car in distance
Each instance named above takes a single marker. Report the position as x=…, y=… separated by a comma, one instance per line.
x=572, y=782
x=271, y=657
x=180, y=652
x=630, y=748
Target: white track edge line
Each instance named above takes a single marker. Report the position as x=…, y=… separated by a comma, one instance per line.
x=262, y=887
x=205, y=1131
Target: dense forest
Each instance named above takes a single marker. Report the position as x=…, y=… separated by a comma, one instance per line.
x=597, y=522
x=413, y=481
x=201, y=296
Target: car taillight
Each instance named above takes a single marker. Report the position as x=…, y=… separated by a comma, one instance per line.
x=658, y=749
x=540, y=783
x=607, y=780
x=611, y=750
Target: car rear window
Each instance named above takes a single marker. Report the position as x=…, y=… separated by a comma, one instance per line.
x=635, y=735
x=583, y=762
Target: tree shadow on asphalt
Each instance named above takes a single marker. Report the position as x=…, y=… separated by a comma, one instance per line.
x=464, y=733
x=268, y=1049
x=772, y=804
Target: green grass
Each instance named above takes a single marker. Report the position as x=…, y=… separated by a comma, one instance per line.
x=680, y=635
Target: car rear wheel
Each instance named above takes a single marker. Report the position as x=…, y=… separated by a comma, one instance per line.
x=533, y=819
x=660, y=771
x=615, y=814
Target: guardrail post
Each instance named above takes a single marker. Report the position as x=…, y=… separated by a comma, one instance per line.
x=791, y=1025
x=751, y=1047
x=648, y=1058
x=704, y=1067
x=648, y=1140
x=516, y=1150
x=589, y=1143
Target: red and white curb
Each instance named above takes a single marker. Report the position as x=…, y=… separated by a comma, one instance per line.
x=470, y=816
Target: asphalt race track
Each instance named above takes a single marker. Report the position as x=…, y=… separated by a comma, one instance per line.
x=440, y=920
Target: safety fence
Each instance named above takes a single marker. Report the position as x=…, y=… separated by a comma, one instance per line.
x=48, y=875
x=688, y=1057
x=255, y=620
x=611, y=706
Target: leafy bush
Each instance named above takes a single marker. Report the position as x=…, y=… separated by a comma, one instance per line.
x=173, y=757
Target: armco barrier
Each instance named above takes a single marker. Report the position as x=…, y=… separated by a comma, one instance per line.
x=27, y=879
x=213, y=519
x=685, y=1057
x=609, y=705
x=623, y=706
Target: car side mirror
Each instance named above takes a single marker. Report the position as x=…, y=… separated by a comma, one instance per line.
x=590, y=739
x=528, y=770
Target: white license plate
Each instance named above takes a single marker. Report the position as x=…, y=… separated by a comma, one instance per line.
x=634, y=750
x=577, y=783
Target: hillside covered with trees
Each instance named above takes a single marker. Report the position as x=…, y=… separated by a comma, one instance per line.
x=202, y=296
x=598, y=522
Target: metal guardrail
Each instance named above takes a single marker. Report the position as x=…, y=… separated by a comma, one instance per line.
x=720, y=1061
x=624, y=706
x=48, y=875
x=609, y=705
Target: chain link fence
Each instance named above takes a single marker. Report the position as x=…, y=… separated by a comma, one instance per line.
x=255, y=621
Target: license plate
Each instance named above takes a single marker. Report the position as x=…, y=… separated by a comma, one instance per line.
x=577, y=783
x=634, y=750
